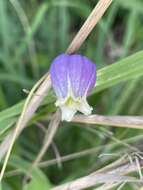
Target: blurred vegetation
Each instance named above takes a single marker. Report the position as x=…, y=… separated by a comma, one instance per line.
x=32, y=33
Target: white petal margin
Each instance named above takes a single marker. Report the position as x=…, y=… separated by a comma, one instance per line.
x=70, y=106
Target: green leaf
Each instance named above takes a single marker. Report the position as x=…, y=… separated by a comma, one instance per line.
x=5, y=34
x=132, y=5
x=6, y=124
x=126, y=69
x=34, y=27
x=5, y=77
x=11, y=112
x=38, y=181
x=0, y=186
x=129, y=32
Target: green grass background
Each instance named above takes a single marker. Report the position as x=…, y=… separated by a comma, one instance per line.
x=32, y=33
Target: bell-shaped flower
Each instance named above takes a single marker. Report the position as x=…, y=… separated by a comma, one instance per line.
x=73, y=77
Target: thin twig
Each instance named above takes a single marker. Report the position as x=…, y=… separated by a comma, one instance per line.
x=89, y=24
x=57, y=155
x=135, y=122
x=54, y=147
x=53, y=126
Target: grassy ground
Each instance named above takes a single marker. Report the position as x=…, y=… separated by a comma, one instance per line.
x=32, y=33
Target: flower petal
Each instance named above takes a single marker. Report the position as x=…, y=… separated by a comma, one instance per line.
x=88, y=77
x=67, y=113
x=82, y=75
x=84, y=107
x=59, y=72
x=75, y=69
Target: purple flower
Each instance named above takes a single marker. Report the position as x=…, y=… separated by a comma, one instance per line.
x=73, y=77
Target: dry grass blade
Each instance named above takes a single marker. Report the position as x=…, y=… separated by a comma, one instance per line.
x=97, y=179
x=107, y=186
x=53, y=126
x=135, y=122
x=30, y=107
x=116, y=174
x=89, y=24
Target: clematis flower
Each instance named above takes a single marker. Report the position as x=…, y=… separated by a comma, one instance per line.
x=73, y=77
